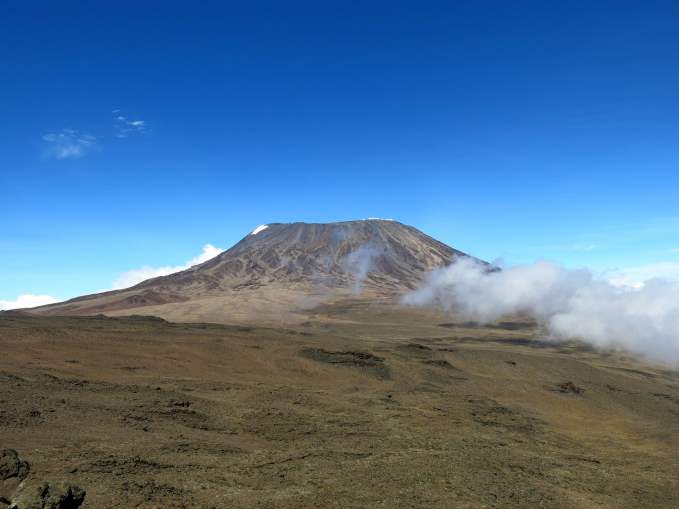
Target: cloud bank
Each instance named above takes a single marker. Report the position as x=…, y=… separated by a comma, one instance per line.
x=27, y=300
x=571, y=304
x=135, y=276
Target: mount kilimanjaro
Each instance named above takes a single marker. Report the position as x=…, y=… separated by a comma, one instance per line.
x=281, y=268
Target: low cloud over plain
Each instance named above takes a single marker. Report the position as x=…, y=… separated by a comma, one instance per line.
x=570, y=304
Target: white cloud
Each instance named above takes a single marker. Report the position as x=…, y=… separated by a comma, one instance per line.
x=125, y=280
x=125, y=126
x=69, y=144
x=135, y=276
x=569, y=303
x=360, y=263
x=27, y=301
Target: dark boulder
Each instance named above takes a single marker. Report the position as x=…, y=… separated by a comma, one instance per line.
x=12, y=466
x=47, y=496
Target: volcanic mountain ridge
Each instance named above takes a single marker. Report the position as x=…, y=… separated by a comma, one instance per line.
x=280, y=267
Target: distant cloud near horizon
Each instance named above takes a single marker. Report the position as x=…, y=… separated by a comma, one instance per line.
x=125, y=280
x=69, y=143
x=635, y=277
x=135, y=276
x=27, y=300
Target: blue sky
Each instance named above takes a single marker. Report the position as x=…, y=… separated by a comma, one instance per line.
x=134, y=133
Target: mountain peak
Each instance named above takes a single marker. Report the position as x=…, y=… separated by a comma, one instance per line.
x=384, y=256
x=278, y=261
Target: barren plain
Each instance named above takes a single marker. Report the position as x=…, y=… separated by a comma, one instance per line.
x=364, y=404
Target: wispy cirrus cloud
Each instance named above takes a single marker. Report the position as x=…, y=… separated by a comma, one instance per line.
x=68, y=144
x=125, y=126
x=572, y=247
x=74, y=143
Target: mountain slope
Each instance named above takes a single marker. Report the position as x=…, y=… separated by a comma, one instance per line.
x=281, y=267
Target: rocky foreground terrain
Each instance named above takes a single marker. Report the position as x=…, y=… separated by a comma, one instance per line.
x=360, y=405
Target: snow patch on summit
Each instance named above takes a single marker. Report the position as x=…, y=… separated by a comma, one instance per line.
x=259, y=229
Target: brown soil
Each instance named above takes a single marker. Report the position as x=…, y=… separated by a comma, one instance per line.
x=140, y=412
